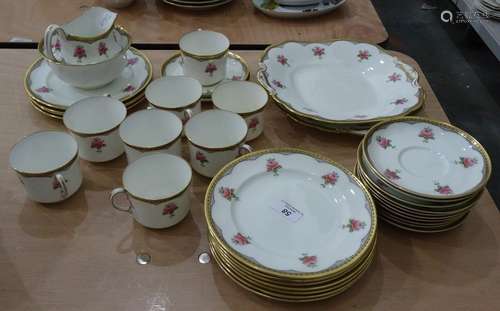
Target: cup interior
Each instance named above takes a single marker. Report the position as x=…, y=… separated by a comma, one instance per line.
x=215, y=129
x=94, y=115
x=239, y=96
x=204, y=43
x=43, y=152
x=157, y=176
x=173, y=92
x=150, y=128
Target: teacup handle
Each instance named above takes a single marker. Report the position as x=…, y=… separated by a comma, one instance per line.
x=112, y=197
x=188, y=114
x=47, y=40
x=64, y=189
x=263, y=80
x=244, y=149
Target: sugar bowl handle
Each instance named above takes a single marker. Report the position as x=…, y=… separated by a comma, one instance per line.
x=244, y=149
x=113, y=197
x=47, y=40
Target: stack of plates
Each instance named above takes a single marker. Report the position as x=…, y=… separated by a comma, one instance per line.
x=424, y=175
x=290, y=225
x=51, y=96
x=490, y=8
x=339, y=86
x=197, y=4
x=305, y=9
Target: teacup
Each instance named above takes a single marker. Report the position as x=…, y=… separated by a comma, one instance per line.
x=157, y=190
x=248, y=99
x=47, y=165
x=179, y=95
x=95, y=72
x=147, y=132
x=215, y=138
x=94, y=122
x=204, y=55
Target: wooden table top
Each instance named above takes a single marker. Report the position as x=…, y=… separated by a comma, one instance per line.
x=152, y=21
x=80, y=254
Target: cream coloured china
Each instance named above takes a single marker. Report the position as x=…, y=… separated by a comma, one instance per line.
x=273, y=8
x=204, y=56
x=178, y=94
x=94, y=123
x=94, y=72
x=81, y=53
x=236, y=69
x=339, y=82
x=427, y=158
x=157, y=190
x=43, y=86
x=248, y=99
x=197, y=5
x=148, y=132
x=94, y=24
x=47, y=165
x=215, y=138
x=291, y=213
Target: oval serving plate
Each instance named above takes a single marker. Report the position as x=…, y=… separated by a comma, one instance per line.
x=426, y=158
x=339, y=82
x=290, y=213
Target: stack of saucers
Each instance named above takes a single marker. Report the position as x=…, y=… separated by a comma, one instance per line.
x=424, y=175
x=197, y=4
x=290, y=225
x=52, y=96
x=339, y=86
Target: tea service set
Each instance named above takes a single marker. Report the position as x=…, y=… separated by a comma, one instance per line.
x=90, y=77
x=82, y=63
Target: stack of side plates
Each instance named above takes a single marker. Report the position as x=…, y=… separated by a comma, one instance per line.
x=424, y=175
x=339, y=86
x=290, y=225
x=197, y=4
x=51, y=96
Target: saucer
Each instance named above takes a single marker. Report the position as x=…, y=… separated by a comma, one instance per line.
x=46, y=89
x=236, y=69
x=271, y=8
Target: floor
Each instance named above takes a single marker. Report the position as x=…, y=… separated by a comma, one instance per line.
x=462, y=71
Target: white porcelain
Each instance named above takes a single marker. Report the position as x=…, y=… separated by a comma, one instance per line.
x=43, y=85
x=197, y=5
x=47, y=165
x=157, y=187
x=204, y=55
x=248, y=99
x=179, y=95
x=64, y=51
x=147, y=132
x=215, y=138
x=236, y=69
x=426, y=158
x=341, y=82
x=94, y=123
x=275, y=9
x=291, y=211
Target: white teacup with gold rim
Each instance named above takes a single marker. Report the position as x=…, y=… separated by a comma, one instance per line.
x=179, y=95
x=215, y=138
x=204, y=55
x=147, y=132
x=94, y=122
x=157, y=190
x=47, y=165
x=248, y=99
